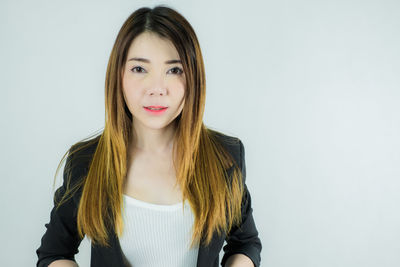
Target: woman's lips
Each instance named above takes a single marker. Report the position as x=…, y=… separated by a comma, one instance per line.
x=156, y=112
x=155, y=107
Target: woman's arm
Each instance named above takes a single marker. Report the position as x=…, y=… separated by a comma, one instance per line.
x=63, y=263
x=61, y=239
x=239, y=260
x=243, y=239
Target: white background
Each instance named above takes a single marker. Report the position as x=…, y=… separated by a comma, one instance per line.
x=312, y=88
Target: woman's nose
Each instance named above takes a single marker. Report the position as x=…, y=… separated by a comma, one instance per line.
x=158, y=85
x=157, y=90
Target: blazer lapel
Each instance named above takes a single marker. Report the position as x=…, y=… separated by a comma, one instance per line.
x=107, y=256
x=208, y=254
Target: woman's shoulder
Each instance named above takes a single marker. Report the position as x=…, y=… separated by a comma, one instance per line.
x=225, y=138
x=80, y=156
x=83, y=150
x=231, y=143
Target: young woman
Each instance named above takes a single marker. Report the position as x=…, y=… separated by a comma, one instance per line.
x=156, y=187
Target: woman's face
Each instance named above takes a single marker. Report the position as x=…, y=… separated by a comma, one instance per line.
x=153, y=76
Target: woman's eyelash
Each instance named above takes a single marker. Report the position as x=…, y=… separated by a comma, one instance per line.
x=140, y=70
x=137, y=67
x=180, y=71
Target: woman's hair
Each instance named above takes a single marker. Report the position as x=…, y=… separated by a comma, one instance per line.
x=201, y=161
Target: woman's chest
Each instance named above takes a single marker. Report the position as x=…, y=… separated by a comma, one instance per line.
x=152, y=181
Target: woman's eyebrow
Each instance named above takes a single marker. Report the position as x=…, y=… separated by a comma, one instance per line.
x=171, y=61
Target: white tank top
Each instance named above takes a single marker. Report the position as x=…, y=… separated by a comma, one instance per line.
x=157, y=235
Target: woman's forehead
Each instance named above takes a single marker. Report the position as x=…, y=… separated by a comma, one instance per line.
x=153, y=47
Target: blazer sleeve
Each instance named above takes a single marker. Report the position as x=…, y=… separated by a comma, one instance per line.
x=61, y=239
x=244, y=238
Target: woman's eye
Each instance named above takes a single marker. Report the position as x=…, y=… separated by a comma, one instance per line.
x=177, y=70
x=137, y=69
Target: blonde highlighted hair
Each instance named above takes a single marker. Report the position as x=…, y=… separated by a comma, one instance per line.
x=209, y=177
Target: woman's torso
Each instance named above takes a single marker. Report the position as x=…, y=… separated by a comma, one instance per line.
x=151, y=178
x=155, y=235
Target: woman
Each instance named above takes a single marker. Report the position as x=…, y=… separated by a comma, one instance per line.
x=156, y=187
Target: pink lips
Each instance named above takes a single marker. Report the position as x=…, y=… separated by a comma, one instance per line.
x=156, y=112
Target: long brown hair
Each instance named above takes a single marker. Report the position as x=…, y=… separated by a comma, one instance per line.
x=201, y=161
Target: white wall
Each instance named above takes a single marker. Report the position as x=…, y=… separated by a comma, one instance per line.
x=311, y=88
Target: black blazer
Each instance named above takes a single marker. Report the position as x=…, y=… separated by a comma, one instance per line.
x=61, y=240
